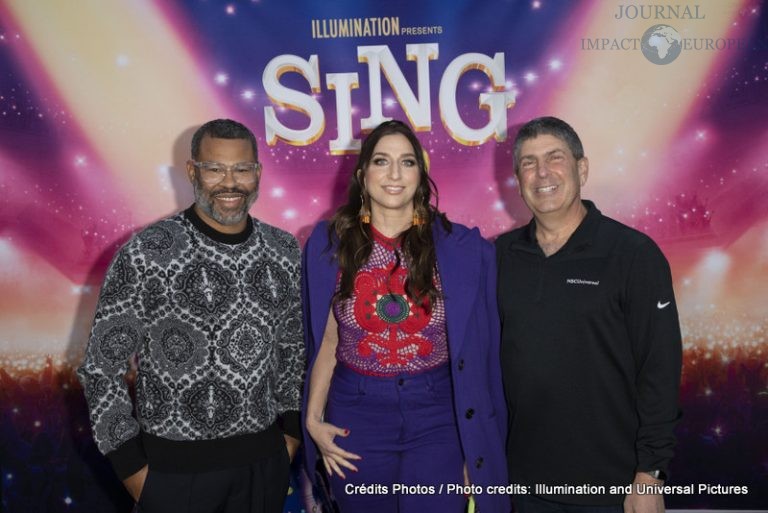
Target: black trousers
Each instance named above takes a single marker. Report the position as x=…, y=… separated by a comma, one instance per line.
x=256, y=488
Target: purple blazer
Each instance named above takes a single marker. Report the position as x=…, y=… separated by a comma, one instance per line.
x=467, y=266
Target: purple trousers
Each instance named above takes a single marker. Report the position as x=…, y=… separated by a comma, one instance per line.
x=405, y=430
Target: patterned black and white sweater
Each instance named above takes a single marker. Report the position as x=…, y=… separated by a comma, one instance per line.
x=214, y=321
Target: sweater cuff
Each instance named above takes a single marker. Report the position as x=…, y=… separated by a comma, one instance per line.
x=290, y=423
x=649, y=464
x=129, y=458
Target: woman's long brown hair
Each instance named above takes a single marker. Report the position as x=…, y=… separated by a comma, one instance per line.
x=355, y=238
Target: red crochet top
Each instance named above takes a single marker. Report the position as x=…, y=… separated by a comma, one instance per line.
x=381, y=331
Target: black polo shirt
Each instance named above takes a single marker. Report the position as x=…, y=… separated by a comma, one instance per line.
x=591, y=357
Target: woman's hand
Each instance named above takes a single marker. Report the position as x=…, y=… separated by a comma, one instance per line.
x=323, y=433
x=334, y=457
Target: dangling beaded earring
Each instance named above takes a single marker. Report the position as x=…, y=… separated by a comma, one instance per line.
x=365, y=214
x=420, y=211
x=418, y=219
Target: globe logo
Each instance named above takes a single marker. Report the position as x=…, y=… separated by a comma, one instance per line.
x=661, y=44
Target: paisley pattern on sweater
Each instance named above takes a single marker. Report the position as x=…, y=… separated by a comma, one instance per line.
x=215, y=329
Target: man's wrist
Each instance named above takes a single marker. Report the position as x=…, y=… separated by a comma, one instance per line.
x=657, y=474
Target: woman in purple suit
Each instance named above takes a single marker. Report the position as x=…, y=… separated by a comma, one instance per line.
x=403, y=395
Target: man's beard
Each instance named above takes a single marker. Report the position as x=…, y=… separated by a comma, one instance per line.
x=204, y=201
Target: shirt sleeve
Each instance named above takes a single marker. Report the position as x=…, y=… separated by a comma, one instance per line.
x=116, y=335
x=290, y=352
x=654, y=332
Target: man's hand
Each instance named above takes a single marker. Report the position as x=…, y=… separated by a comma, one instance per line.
x=646, y=503
x=292, y=444
x=135, y=483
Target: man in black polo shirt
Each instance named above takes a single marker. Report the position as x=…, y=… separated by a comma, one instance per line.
x=591, y=348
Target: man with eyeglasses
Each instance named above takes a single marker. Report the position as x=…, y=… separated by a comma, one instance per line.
x=207, y=302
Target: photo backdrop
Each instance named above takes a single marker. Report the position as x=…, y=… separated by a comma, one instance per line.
x=98, y=101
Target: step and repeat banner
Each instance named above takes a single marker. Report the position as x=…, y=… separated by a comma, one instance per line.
x=98, y=101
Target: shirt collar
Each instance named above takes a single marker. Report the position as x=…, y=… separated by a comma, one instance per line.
x=391, y=243
x=226, y=238
x=581, y=237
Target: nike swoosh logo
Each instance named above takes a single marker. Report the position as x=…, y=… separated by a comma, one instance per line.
x=661, y=305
